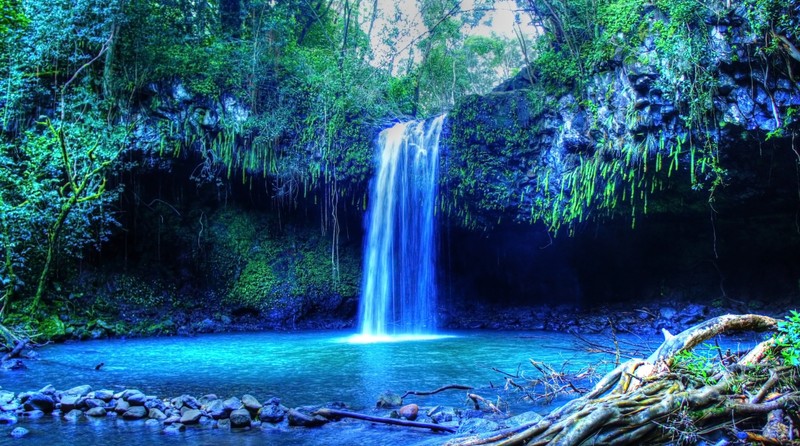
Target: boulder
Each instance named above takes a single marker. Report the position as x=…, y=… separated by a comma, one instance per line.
x=298, y=418
x=240, y=418
x=216, y=409
x=409, y=412
x=156, y=414
x=388, y=400
x=96, y=412
x=251, y=403
x=93, y=402
x=121, y=407
x=477, y=426
x=68, y=402
x=19, y=432
x=172, y=419
x=151, y=422
x=73, y=415
x=232, y=403
x=105, y=395
x=78, y=391
x=136, y=399
x=191, y=416
x=135, y=413
x=272, y=412
x=174, y=428
x=40, y=401
x=7, y=418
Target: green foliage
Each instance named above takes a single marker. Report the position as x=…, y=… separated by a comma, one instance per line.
x=787, y=338
x=699, y=365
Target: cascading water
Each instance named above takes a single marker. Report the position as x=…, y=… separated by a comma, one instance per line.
x=399, y=283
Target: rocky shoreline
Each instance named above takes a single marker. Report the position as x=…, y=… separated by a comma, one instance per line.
x=234, y=414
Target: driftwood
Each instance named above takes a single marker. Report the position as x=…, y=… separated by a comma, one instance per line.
x=16, y=351
x=654, y=401
x=334, y=414
x=440, y=389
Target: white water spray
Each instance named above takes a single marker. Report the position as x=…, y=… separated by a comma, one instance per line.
x=399, y=284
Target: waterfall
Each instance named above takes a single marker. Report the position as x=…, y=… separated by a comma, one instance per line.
x=399, y=281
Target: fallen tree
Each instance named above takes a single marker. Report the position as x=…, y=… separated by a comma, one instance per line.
x=667, y=398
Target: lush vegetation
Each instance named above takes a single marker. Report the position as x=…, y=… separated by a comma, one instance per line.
x=284, y=95
x=644, y=77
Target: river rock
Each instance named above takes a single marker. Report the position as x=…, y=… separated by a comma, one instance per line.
x=186, y=401
x=523, y=418
x=6, y=396
x=174, y=428
x=121, y=407
x=441, y=415
x=97, y=412
x=13, y=364
x=409, y=412
x=240, y=418
x=136, y=399
x=73, y=415
x=48, y=390
x=191, y=416
x=232, y=403
x=94, y=402
x=33, y=414
x=68, y=402
x=135, y=413
x=105, y=395
x=216, y=409
x=251, y=403
x=150, y=422
x=39, y=401
x=19, y=432
x=125, y=394
x=297, y=418
x=79, y=391
x=388, y=400
x=205, y=399
x=156, y=414
x=272, y=412
x=7, y=418
x=477, y=426
x=172, y=419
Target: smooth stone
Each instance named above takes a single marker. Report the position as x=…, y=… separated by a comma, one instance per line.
x=79, y=391
x=7, y=418
x=94, y=402
x=136, y=399
x=69, y=402
x=251, y=403
x=156, y=414
x=409, y=412
x=191, y=416
x=477, y=426
x=19, y=432
x=121, y=407
x=240, y=418
x=135, y=413
x=73, y=415
x=388, y=400
x=232, y=403
x=205, y=399
x=272, y=413
x=174, y=428
x=97, y=412
x=523, y=418
x=105, y=395
x=10, y=407
x=151, y=422
x=6, y=396
x=48, y=390
x=40, y=401
x=216, y=409
x=297, y=418
x=172, y=419
x=188, y=401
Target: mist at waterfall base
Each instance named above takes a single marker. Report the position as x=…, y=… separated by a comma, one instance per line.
x=398, y=300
